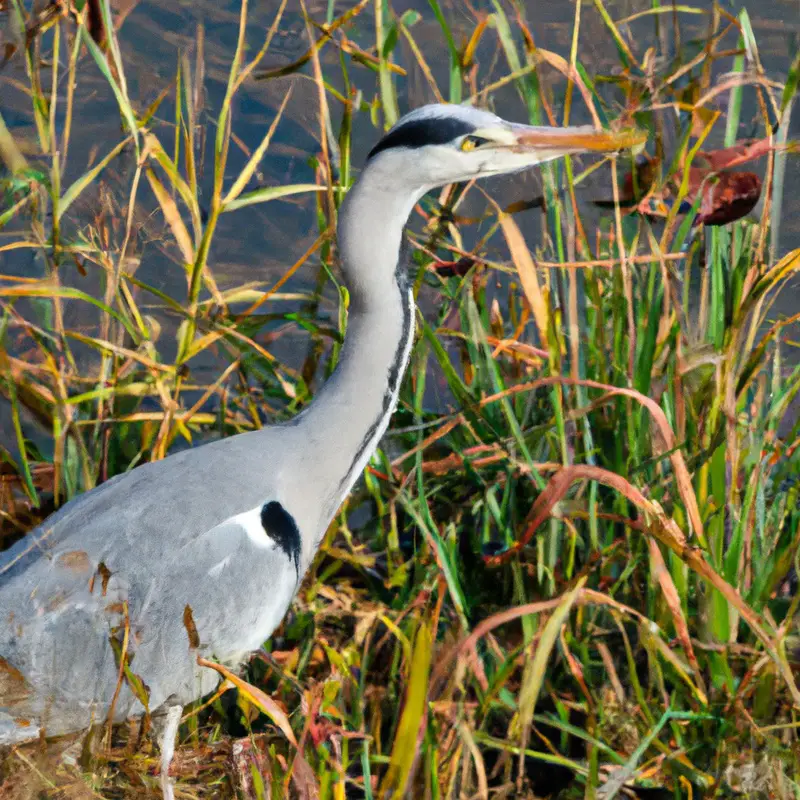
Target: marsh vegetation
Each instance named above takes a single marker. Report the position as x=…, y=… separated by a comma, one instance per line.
x=570, y=570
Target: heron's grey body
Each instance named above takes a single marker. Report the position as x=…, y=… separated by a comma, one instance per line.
x=201, y=553
x=57, y=614
x=196, y=542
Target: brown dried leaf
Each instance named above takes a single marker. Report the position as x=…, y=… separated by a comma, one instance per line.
x=258, y=698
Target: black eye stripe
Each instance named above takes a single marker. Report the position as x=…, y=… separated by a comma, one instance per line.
x=420, y=132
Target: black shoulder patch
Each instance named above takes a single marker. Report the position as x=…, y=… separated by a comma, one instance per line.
x=419, y=132
x=280, y=526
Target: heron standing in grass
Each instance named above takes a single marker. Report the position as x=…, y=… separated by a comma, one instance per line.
x=200, y=554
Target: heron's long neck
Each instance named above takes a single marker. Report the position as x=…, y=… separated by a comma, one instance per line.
x=352, y=410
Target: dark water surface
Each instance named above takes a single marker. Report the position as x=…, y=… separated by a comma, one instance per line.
x=260, y=243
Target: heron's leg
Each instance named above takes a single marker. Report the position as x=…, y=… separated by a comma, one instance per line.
x=169, y=733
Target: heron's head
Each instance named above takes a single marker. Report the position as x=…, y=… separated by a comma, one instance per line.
x=439, y=144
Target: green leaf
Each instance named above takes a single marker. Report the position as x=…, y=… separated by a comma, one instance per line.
x=404, y=749
x=455, y=56
x=74, y=191
x=122, y=100
x=271, y=193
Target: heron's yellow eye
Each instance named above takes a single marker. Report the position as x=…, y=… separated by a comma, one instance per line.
x=471, y=142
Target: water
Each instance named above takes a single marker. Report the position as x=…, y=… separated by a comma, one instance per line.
x=259, y=243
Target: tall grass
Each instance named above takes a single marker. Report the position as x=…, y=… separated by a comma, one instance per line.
x=570, y=570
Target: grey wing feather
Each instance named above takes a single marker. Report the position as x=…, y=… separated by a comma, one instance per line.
x=154, y=541
x=235, y=591
x=154, y=508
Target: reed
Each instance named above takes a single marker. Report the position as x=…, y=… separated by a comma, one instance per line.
x=570, y=571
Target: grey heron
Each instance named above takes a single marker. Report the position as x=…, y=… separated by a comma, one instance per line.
x=202, y=552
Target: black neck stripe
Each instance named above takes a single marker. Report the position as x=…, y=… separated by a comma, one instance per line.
x=395, y=374
x=419, y=132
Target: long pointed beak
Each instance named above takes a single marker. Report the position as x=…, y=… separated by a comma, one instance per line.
x=575, y=139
